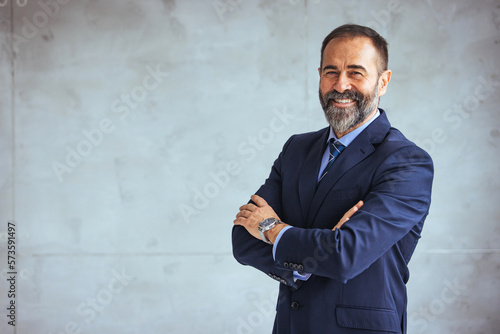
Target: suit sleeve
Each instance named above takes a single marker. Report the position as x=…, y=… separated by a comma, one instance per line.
x=398, y=200
x=250, y=251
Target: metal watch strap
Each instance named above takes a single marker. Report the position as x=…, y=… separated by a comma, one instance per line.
x=267, y=228
x=263, y=237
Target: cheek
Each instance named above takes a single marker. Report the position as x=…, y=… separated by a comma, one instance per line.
x=325, y=86
x=366, y=88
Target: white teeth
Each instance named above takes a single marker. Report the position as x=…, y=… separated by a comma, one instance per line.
x=343, y=100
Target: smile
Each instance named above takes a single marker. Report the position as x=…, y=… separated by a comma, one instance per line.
x=343, y=103
x=343, y=100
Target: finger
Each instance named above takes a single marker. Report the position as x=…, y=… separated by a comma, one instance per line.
x=259, y=201
x=243, y=214
x=352, y=210
x=348, y=215
x=240, y=221
x=339, y=224
x=250, y=207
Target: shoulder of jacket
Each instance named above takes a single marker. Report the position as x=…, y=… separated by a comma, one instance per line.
x=395, y=141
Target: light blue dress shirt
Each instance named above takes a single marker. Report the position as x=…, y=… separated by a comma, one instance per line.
x=345, y=140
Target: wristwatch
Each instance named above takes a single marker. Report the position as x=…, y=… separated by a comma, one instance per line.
x=266, y=225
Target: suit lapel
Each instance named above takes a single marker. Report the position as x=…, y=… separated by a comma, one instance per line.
x=358, y=150
x=309, y=173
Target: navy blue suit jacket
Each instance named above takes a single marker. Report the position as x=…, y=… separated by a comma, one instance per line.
x=359, y=272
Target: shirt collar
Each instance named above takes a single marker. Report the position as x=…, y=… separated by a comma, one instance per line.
x=348, y=138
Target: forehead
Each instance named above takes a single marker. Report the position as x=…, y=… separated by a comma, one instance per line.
x=344, y=51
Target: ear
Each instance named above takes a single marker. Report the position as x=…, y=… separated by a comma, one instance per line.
x=383, y=82
x=319, y=71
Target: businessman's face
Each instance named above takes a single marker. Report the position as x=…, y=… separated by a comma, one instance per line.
x=350, y=85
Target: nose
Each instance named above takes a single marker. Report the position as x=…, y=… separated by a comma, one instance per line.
x=342, y=84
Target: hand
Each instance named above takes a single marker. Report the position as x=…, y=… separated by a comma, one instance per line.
x=251, y=215
x=348, y=215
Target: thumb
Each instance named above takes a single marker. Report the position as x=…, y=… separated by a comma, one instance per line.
x=259, y=201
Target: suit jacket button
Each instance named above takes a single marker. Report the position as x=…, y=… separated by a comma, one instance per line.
x=301, y=267
x=295, y=305
x=285, y=265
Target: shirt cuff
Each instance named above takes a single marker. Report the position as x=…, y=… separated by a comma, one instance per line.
x=300, y=275
x=278, y=240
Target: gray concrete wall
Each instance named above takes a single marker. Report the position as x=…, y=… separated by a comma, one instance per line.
x=131, y=131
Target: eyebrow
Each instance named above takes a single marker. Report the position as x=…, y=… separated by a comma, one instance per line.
x=357, y=67
x=333, y=67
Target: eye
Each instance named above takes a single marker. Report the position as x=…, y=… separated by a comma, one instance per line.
x=356, y=74
x=331, y=73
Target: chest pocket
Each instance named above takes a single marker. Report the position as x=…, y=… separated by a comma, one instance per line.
x=342, y=200
x=344, y=194
x=335, y=205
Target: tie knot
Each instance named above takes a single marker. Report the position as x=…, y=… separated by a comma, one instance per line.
x=336, y=147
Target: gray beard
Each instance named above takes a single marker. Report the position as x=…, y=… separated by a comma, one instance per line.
x=342, y=119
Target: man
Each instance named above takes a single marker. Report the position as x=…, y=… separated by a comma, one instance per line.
x=341, y=270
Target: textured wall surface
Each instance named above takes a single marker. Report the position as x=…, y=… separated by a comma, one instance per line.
x=131, y=131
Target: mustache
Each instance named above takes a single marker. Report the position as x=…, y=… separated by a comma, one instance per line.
x=348, y=94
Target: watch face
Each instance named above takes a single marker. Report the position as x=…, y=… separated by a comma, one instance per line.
x=267, y=224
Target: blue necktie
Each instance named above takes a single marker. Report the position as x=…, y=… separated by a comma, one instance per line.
x=335, y=149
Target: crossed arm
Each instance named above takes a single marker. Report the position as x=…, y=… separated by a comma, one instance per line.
x=394, y=208
x=250, y=215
